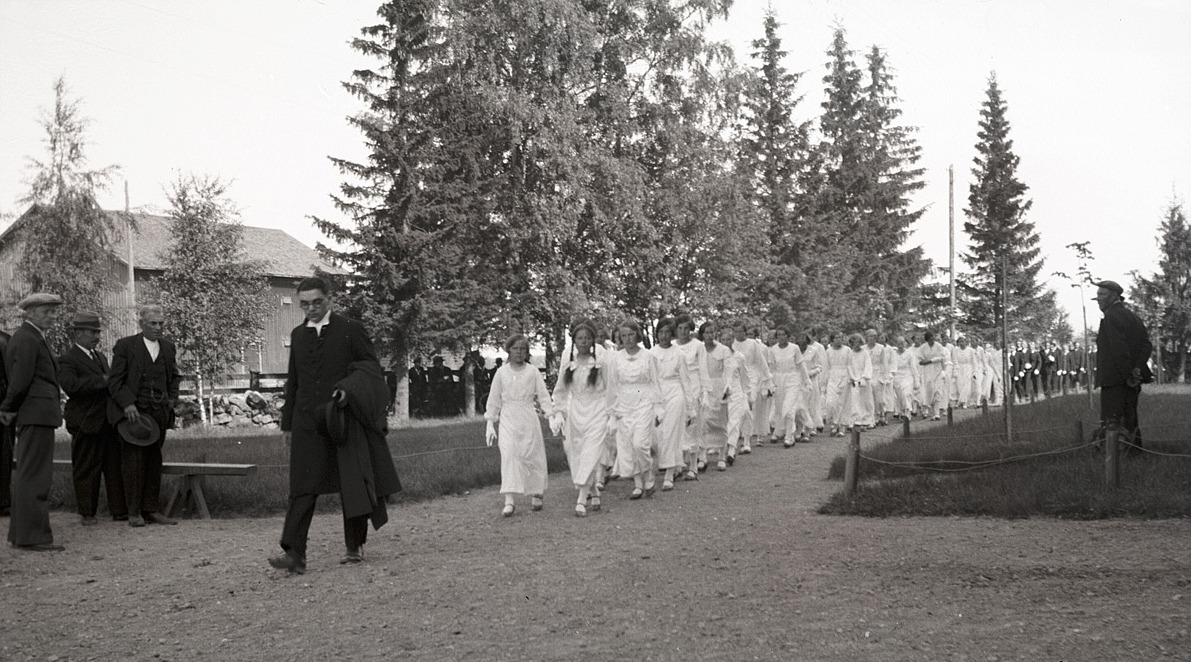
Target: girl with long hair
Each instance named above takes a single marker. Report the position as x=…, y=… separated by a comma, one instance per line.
x=581, y=413
x=515, y=388
x=636, y=401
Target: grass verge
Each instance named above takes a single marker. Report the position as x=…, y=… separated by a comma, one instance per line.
x=431, y=461
x=1061, y=484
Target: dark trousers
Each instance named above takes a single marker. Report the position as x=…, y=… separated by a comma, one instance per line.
x=141, y=467
x=30, y=521
x=297, y=526
x=95, y=456
x=6, y=433
x=1119, y=404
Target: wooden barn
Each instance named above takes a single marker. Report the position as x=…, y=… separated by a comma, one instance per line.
x=287, y=261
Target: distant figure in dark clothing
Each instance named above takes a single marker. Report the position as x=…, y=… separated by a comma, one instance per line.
x=442, y=389
x=480, y=383
x=417, y=389
x=1122, y=353
x=6, y=434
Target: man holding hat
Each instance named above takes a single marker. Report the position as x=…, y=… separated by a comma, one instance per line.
x=144, y=388
x=32, y=403
x=1122, y=353
x=94, y=445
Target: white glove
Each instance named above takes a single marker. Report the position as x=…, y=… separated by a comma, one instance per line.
x=490, y=433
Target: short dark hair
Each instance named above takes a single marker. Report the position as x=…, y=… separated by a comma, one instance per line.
x=313, y=283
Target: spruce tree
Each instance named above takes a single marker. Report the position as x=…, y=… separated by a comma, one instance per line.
x=999, y=231
x=1166, y=295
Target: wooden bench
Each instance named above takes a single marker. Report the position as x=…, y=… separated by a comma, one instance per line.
x=191, y=487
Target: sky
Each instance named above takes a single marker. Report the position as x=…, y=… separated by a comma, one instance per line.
x=1098, y=93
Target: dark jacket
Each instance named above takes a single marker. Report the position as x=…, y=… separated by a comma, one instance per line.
x=357, y=426
x=32, y=379
x=315, y=366
x=1122, y=345
x=129, y=359
x=85, y=382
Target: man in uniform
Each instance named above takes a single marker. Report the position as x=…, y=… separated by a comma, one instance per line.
x=144, y=382
x=94, y=443
x=1122, y=353
x=32, y=404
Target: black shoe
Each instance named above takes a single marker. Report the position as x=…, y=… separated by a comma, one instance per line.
x=158, y=518
x=89, y=520
x=41, y=547
x=290, y=562
x=136, y=520
x=731, y=460
x=119, y=518
x=353, y=555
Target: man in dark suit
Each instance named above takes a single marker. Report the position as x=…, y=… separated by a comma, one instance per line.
x=1122, y=351
x=6, y=433
x=321, y=351
x=94, y=445
x=144, y=382
x=32, y=402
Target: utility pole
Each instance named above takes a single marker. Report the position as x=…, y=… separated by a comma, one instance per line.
x=951, y=249
x=1006, y=381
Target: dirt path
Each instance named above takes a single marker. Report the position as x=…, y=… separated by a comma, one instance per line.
x=736, y=566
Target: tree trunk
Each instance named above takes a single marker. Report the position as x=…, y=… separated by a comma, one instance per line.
x=469, y=385
x=198, y=391
x=401, y=400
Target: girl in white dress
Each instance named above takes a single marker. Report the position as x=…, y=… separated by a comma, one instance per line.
x=905, y=379
x=515, y=388
x=934, y=363
x=735, y=397
x=678, y=401
x=581, y=411
x=814, y=355
x=837, y=384
x=791, y=389
x=694, y=354
x=858, y=398
x=637, y=407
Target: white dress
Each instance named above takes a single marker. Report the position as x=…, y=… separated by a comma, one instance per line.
x=791, y=388
x=715, y=415
x=815, y=358
x=522, y=451
x=905, y=379
x=836, y=384
x=935, y=389
x=678, y=407
x=963, y=361
x=760, y=380
x=694, y=354
x=585, y=432
x=858, y=397
x=636, y=403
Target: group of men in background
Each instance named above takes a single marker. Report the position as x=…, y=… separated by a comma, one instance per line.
x=116, y=414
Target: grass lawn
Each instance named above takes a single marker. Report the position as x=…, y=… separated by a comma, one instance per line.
x=1059, y=484
x=432, y=461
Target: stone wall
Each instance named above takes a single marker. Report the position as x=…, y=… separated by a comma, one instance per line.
x=250, y=408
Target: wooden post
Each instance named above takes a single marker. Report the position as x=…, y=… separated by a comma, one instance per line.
x=950, y=417
x=1078, y=432
x=1112, y=469
x=906, y=427
x=852, y=460
x=984, y=405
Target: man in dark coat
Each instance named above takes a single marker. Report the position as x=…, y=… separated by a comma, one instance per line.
x=6, y=432
x=1122, y=353
x=94, y=443
x=32, y=403
x=144, y=382
x=321, y=352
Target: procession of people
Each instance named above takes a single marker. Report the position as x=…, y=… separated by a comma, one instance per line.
x=649, y=404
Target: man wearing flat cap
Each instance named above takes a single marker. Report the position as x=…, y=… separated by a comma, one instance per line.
x=94, y=443
x=144, y=383
x=32, y=403
x=1122, y=351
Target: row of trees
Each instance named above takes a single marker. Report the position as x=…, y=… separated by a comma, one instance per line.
x=1163, y=298
x=538, y=161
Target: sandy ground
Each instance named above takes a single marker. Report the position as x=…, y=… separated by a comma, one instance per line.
x=735, y=566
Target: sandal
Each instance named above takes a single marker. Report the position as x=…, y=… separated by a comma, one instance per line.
x=595, y=503
x=691, y=475
x=721, y=466
x=535, y=503
x=508, y=511
x=580, y=511
x=636, y=493
x=667, y=486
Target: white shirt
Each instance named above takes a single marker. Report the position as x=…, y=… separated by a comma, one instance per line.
x=89, y=352
x=153, y=346
x=318, y=326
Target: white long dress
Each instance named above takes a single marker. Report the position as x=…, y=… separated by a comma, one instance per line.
x=675, y=383
x=905, y=379
x=636, y=403
x=878, y=358
x=858, y=396
x=837, y=384
x=791, y=388
x=815, y=358
x=760, y=381
x=694, y=354
x=935, y=389
x=585, y=432
x=522, y=451
x=963, y=361
x=735, y=398
x=715, y=415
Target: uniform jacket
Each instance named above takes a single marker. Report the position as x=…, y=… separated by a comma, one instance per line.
x=129, y=359
x=32, y=379
x=1122, y=344
x=316, y=364
x=85, y=382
